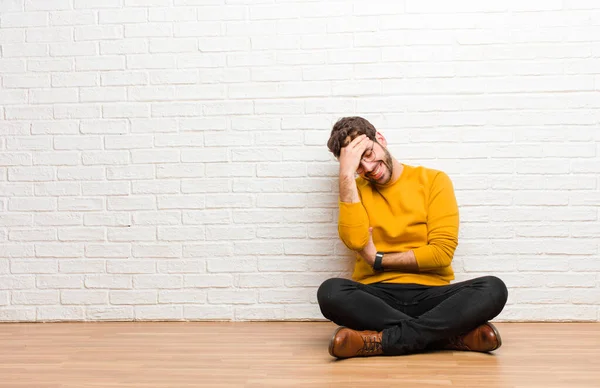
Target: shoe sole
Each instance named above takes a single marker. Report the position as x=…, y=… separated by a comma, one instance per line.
x=332, y=343
x=497, y=334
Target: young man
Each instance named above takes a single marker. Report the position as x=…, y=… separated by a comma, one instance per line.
x=403, y=223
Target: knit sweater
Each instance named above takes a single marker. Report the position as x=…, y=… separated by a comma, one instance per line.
x=417, y=212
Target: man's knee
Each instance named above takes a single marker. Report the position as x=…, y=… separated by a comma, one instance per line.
x=497, y=289
x=329, y=292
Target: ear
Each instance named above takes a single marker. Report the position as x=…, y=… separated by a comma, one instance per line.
x=381, y=139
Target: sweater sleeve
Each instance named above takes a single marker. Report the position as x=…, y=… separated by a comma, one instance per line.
x=353, y=225
x=442, y=226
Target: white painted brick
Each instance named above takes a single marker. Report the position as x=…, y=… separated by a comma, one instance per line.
x=72, y=18
x=130, y=172
x=109, y=314
x=60, y=313
x=103, y=188
x=259, y=313
x=17, y=250
x=81, y=234
x=32, y=266
x=15, y=159
x=80, y=172
x=122, y=78
x=26, y=81
x=232, y=296
x=303, y=312
x=58, y=250
x=22, y=19
x=309, y=185
x=79, y=111
x=33, y=143
x=35, y=297
x=133, y=297
x=229, y=233
x=17, y=282
x=12, y=35
x=228, y=201
x=157, y=251
x=205, y=217
x=16, y=220
x=73, y=49
x=160, y=313
x=172, y=14
x=232, y=145
x=281, y=200
x=181, y=202
x=32, y=204
x=80, y=204
x=137, y=233
x=220, y=249
x=24, y=50
x=275, y=216
x=157, y=281
x=148, y=30
x=56, y=219
x=59, y=281
x=83, y=297
x=288, y=296
x=125, y=110
x=107, y=250
x=74, y=79
x=122, y=141
x=17, y=314
x=239, y=264
x=254, y=185
x=184, y=296
x=32, y=235
x=182, y=266
x=188, y=170
x=108, y=281
x=155, y=156
x=52, y=34
x=151, y=61
x=111, y=219
x=208, y=281
x=272, y=232
x=174, y=77
x=157, y=218
x=131, y=202
x=81, y=266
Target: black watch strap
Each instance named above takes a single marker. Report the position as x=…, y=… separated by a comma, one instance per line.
x=377, y=266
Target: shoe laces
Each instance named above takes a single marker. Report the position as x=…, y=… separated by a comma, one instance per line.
x=371, y=344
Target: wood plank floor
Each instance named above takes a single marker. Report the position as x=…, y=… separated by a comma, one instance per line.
x=276, y=354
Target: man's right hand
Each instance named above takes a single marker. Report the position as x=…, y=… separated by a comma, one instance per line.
x=351, y=154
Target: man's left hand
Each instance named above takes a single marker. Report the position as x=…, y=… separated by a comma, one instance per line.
x=369, y=251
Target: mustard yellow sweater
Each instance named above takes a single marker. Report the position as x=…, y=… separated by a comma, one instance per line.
x=418, y=212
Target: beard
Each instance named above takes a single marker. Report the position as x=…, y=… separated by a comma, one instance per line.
x=387, y=162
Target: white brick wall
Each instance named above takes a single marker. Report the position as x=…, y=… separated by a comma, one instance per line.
x=166, y=159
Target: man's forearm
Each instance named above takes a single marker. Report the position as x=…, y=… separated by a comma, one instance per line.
x=400, y=261
x=348, y=190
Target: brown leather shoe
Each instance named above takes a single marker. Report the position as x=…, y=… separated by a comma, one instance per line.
x=484, y=338
x=347, y=343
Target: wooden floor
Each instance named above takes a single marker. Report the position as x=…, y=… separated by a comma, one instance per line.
x=192, y=354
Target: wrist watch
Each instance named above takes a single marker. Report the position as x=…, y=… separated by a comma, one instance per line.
x=377, y=266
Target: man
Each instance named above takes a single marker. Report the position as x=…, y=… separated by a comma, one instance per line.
x=403, y=223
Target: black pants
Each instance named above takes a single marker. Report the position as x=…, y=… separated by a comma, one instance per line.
x=412, y=317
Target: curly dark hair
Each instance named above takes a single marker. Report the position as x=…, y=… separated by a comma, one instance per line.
x=347, y=129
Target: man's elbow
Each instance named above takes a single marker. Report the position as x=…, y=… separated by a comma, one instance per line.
x=355, y=243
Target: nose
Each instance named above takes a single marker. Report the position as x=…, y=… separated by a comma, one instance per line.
x=366, y=167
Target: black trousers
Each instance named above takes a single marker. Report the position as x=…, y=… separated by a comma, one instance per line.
x=412, y=317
